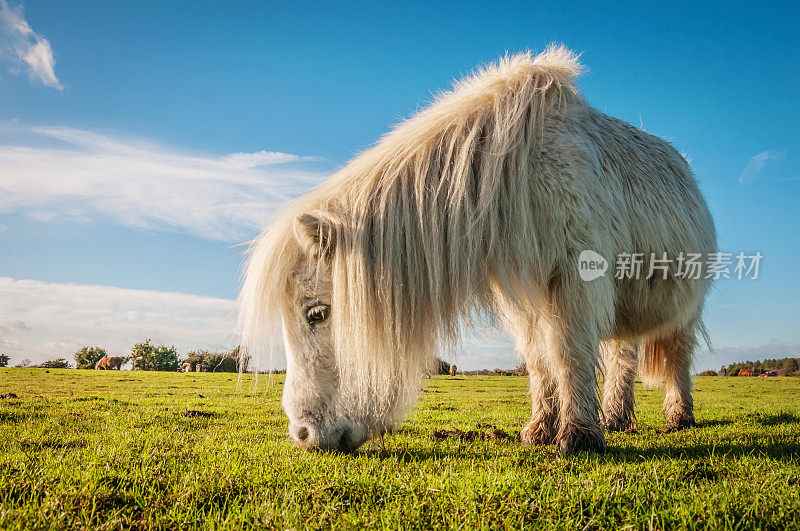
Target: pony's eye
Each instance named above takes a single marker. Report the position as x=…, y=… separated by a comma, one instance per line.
x=317, y=313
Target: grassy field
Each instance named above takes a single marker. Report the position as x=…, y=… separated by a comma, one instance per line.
x=117, y=450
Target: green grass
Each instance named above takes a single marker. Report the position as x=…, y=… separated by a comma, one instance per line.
x=114, y=450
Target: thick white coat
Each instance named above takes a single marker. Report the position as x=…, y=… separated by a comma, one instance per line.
x=481, y=204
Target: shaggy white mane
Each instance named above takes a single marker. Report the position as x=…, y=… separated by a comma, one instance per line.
x=418, y=222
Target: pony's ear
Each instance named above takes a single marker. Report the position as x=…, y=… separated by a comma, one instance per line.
x=315, y=234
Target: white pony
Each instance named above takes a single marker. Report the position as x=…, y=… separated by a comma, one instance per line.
x=481, y=205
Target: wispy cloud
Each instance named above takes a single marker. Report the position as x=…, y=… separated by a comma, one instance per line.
x=263, y=158
x=25, y=49
x=85, y=175
x=45, y=320
x=757, y=162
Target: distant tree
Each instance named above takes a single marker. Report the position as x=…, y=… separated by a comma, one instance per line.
x=58, y=363
x=87, y=357
x=787, y=366
x=522, y=369
x=212, y=361
x=243, y=361
x=4, y=360
x=708, y=372
x=148, y=357
x=790, y=367
x=24, y=363
x=441, y=367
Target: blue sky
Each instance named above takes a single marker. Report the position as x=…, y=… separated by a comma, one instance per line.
x=139, y=141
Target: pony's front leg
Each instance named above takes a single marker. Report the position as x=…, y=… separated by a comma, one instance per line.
x=580, y=316
x=531, y=345
x=576, y=357
x=543, y=425
x=619, y=374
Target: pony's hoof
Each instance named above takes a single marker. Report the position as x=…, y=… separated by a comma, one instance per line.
x=624, y=424
x=536, y=434
x=680, y=422
x=581, y=441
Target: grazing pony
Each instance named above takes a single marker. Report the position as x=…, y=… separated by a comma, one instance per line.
x=109, y=363
x=481, y=205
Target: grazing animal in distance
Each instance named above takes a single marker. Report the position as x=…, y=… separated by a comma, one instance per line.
x=109, y=363
x=482, y=204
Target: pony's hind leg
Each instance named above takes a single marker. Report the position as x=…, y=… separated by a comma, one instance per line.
x=671, y=357
x=678, y=405
x=619, y=374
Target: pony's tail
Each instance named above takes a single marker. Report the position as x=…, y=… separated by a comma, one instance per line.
x=654, y=352
x=652, y=362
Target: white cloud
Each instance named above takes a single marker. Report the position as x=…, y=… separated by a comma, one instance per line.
x=86, y=175
x=8, y=325
x=757, y=163
x=45, y=320
x=24, y=48
x=48, y=320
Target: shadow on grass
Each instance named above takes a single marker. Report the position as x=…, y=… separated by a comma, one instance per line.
x=102, y=401
x=782, y=451
x=442, y=407
x=13, y=417
x=53, y=445
x=788, y=451
x=784, y=417
x=713, y=423
x=415, y=455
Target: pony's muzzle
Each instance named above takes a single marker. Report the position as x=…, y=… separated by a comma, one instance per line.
x=308, y=438
x=303, y=436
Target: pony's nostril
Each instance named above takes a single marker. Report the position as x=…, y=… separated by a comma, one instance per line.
x=344, y=441
x=302, y=433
